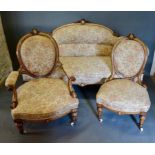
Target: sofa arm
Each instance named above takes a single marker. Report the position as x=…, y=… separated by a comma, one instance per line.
x=12, y=79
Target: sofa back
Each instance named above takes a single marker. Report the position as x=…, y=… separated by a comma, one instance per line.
x=84, y=39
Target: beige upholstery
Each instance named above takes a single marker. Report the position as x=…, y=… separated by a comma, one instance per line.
x=57, y=73
x=87, y=70
x=85, y=50
x=128, y=57
x=38, y=54
x=124, y=96
x=42, y=99
x=12, y=79
x=89, y=33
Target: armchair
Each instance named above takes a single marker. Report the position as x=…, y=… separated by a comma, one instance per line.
x=47, y=96
x=126, y=95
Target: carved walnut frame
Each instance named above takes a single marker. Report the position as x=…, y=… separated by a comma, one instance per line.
x=24, y=70
x=136, y=78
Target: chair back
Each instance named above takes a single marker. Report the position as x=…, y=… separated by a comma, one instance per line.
x=37, y=53
x=129, y=56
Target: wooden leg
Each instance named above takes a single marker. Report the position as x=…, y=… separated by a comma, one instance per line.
x=73, y=116
x=19, y=125
x=142, y=119
x=99, y=112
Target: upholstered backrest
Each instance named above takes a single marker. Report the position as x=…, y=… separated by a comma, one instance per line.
x=84, y=39
x=129, y=57
x=37, y=53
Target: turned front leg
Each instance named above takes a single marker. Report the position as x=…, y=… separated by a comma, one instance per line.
x=142, y=119
x=99, y=112
x=73, y=116
x=19, y=125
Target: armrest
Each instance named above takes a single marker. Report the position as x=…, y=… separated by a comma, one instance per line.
x=70, y=79
x=12, y=79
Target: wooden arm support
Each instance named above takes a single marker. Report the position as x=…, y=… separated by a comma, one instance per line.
x=72, y=92
x=70, y=80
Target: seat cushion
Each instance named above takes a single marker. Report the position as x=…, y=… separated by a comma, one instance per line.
x=87, y=70
x=42, y=99
x=124, y=96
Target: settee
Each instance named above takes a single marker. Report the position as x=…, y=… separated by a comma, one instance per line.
x=85, y=49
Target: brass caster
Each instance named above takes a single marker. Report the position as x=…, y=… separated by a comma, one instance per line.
x=101, y=120
x=72, y=124
x=25, y=132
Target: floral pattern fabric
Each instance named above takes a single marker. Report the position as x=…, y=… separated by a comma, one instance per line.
x=12, y=79
x=43, y=98
x=88, y=33
x=82, y=49
x=124, y=96
x=87, y=70
x=38, y=54
x=85, y=50
x=128, y=57
x=57, y=73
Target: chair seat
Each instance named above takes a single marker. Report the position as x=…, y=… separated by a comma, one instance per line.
x=123, y=95
x=87, y=70
x=43, y=98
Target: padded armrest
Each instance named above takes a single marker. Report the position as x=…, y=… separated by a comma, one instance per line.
x=12, y=79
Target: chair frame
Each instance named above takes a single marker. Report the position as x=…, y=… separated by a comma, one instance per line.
x=138, y=75
x=23, y=70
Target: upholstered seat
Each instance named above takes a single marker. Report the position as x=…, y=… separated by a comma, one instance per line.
x=124, y=96
x=42, y=99
x=87, y=70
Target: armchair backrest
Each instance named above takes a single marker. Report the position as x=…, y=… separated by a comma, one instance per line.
x=129, y=56
x=84, y=39
x=38, y=54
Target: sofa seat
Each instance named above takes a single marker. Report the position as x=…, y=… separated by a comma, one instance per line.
x=43, y=98
x=87, y=70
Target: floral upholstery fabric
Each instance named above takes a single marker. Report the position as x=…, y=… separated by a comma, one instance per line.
x=88, y=33
x=43, y=98
x=85, y=50
x=11, y=79
x=38, y=54
x=124, y=96
x=57, y=73
x=128, y=57
x=87, y=70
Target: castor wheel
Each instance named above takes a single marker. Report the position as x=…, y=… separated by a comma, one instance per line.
x=100, y=120
x=141, y=129
x=25, y=132
x=72, y=124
